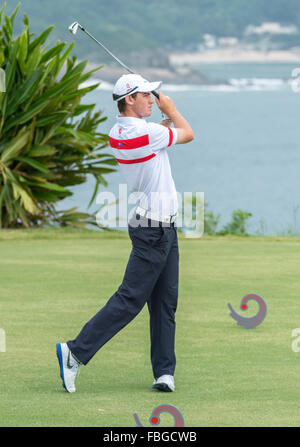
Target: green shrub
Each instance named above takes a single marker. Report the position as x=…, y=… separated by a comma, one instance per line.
x=48, y=140
x=210, y=221
x=237, y=225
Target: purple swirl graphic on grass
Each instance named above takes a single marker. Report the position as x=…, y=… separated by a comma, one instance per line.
x=250, y=322
x=155, y=420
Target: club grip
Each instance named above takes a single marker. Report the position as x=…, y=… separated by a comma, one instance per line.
x=164, y=116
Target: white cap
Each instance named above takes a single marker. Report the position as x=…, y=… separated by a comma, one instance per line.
x=132, y=83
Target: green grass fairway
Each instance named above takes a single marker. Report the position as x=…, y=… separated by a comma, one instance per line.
x=53, y=281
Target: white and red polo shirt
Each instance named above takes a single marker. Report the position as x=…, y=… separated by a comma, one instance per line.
x=140, y=149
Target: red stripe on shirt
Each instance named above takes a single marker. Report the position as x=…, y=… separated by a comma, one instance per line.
x=131, y=143
x=135, y=160
x=170, y=136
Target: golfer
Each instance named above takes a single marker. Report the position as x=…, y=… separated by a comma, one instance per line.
x=141, y=149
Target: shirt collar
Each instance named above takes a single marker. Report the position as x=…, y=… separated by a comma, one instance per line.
x=129, y=119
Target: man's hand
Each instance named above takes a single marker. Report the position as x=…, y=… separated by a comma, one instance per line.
x=184, y=131
x=165, y=104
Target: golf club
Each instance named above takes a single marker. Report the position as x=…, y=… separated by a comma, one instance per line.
x=74, y=28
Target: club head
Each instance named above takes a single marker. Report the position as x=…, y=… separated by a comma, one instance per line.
x=74, y=27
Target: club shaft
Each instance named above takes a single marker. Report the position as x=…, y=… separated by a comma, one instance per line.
x=107, y=50
x=112, y=55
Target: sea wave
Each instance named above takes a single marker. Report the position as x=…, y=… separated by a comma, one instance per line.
x=258, y=84
x=234, y=85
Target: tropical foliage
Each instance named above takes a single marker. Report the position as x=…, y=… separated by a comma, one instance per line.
x=49, y=139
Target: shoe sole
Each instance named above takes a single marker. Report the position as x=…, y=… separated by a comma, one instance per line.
x=60, y=362
x=162, y=387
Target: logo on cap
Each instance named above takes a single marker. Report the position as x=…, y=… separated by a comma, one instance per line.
x=127, y=85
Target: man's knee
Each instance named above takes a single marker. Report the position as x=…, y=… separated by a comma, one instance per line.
x=131, y=303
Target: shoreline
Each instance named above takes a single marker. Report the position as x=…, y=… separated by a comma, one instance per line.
x=180, y=68
x=234, y=55
x=172, y=74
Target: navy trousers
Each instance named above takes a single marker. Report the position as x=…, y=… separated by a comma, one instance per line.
x=151, y=276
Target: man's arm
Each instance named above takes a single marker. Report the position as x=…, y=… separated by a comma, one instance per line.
x=184, y=131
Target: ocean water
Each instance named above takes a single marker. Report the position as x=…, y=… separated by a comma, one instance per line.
x=246, y=148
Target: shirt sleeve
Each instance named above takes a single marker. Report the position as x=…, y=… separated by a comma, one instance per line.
x=160, y=137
